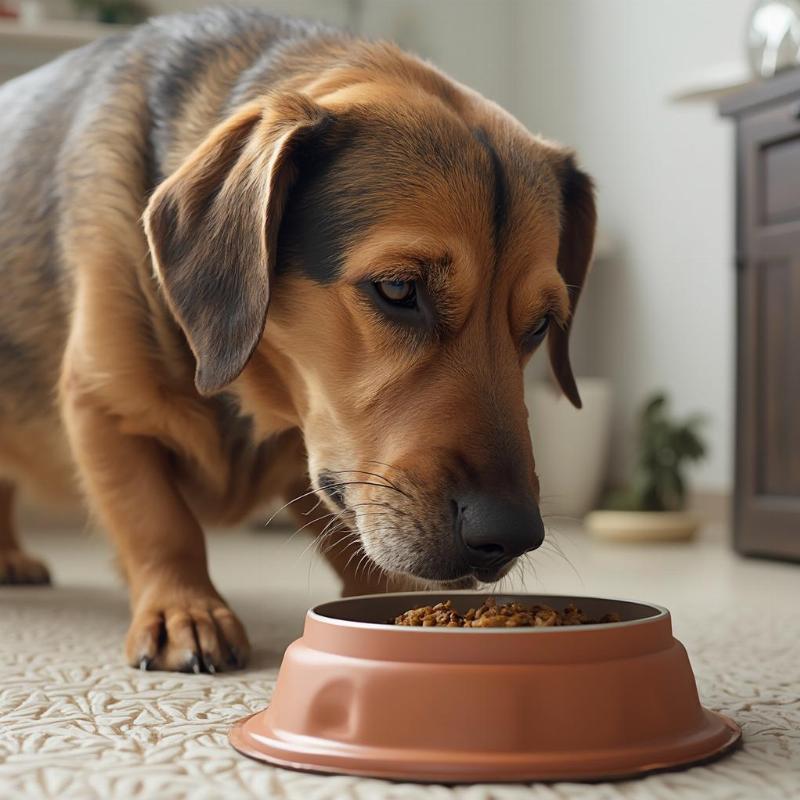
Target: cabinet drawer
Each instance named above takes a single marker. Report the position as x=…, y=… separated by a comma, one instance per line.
x=780, y=181
x=770, y=145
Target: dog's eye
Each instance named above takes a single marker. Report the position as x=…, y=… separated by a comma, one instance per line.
x=398, y=293
x=541, y=327
x=536, y=334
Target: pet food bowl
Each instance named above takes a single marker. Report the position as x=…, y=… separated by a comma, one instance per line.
x=462, y=705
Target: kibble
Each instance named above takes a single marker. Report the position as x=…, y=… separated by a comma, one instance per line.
x=492, y=615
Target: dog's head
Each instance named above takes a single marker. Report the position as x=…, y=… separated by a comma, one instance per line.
x=414, y=249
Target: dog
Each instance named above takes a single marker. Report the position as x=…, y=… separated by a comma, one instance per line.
x=245, y=258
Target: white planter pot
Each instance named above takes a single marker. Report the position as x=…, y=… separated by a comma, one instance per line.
x=640, y=526
x=570, y=445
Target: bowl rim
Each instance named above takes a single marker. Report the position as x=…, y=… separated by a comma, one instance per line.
x=316, y=615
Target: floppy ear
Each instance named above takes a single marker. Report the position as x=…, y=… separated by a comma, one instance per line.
x=212, y=227
x=578, y=219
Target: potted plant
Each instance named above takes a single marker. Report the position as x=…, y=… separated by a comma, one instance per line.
x=653, y=504
x=116, y=12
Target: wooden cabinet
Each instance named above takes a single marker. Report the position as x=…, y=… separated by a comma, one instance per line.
x=767, y=485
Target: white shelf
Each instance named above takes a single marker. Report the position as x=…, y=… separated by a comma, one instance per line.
x=24, y=47
x=57, y=34
x=712, y=83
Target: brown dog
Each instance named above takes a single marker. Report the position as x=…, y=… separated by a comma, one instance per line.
x=408, y=244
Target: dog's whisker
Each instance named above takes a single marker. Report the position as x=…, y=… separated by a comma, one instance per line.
x=333, y=515
x=364, y=472
x=286, y=505
x=337, y=485
x=519, y=574
x=555, y=547
x=561, y=533
x=402, y=470
x=341, y=530
x=344, y=543
x=336, y=518
x=371, y=519
x=352, y=556
x=359, y=562
x=394, y=510
x=363, y=562
x=313, y=508
x=321, y=540
x=286, y=542
x=321, y=545
x=329, y=530
x=307, y=525
x=313, y=551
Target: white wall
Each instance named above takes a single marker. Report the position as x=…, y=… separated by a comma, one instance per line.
x=597, y=75
x=469, y=39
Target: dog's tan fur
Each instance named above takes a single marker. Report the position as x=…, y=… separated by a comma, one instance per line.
x=149, y=365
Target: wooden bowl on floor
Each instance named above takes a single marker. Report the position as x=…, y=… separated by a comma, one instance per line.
x=590, y=702
x=642, y=526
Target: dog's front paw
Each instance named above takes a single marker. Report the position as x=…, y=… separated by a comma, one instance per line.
x=186, y=632
x=17, y=568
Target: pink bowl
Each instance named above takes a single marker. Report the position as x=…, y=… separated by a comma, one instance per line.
x=459, y=705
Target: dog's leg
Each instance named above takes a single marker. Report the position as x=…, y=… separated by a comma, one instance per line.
x=16, y=566
x=342, y=549
x=180, y=622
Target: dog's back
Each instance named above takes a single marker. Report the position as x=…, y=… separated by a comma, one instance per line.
x=83, y=141
x=146, y=76
x=37, y=110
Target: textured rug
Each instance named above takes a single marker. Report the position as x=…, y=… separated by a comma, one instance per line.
x=75, y=723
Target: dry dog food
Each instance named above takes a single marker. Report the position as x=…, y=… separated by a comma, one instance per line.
x=492, y=615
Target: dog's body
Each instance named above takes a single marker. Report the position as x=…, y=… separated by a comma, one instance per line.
x=84, y=140
x=285, y=159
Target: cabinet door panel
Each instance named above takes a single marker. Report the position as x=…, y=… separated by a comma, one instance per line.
x=767, y=492
x=780, y=171
x=778, y=365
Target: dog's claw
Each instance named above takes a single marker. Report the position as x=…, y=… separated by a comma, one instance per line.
x=193, y=665
x=190, y=638
x=208, y=664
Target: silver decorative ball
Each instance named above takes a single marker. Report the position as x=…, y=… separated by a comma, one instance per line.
x=774, y=36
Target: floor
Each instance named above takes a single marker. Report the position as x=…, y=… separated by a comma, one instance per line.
x=76, y=723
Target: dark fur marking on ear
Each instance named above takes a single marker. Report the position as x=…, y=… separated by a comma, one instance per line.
x=574, y=256
x=353, y=178
x=500, y=187
x=321, y=218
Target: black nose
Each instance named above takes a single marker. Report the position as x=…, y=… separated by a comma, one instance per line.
x=492, y=531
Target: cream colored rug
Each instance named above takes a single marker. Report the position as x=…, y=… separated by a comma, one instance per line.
x=76, y=723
